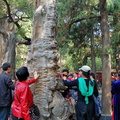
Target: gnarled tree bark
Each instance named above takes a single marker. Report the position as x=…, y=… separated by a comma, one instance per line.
x=42, y=57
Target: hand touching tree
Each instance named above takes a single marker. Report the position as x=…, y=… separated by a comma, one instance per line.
x=36, y=75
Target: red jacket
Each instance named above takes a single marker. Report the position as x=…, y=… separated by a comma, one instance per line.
x=23, y=99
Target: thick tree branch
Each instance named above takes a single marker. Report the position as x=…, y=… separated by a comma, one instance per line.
x=23, y=18
x=28, y=39
x=9, y=14
x=79, y=20
x=8, y=9
x=98, y=16
x=25, y=42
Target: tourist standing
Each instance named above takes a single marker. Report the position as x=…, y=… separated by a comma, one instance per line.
x=23, y=97
x=95, y=116
x=6, y=86
x=116, y=98
x=86, y=88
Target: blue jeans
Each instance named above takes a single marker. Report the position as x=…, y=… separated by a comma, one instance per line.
x=72, y=93
x=4, y=113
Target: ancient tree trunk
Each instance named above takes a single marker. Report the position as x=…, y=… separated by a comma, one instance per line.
x=93, y=52
x=42, y=57
x=7, y=44
x=106, y=61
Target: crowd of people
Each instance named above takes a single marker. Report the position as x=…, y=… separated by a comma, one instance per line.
x=81, y=86
x=73, y=93
x=80, y=89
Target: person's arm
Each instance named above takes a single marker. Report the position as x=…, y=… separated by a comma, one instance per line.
x=34, y=79
x=71, y=83
x=24, y=103
x=9, y=83
x=30, y=81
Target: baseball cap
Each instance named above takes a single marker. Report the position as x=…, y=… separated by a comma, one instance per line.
x=85, y=68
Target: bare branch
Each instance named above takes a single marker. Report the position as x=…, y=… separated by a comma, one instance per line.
x=97, y=16
x=21, y=18
x=79, y=20
x=9, y=14
x=25, y=42
x=8, y=9
x=16, y=23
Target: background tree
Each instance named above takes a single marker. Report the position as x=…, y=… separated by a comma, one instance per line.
x=115, y=34
x=76, y=35
x=74, y=30
x=11, y=29
x=106, y=60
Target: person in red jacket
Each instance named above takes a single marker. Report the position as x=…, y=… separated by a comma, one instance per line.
x=23, y=97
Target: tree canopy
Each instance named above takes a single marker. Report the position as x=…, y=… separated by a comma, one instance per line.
x=21, y=14
x=76, y=19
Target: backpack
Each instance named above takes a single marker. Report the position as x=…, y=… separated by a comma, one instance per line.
x=97, y=106
x=34, y=112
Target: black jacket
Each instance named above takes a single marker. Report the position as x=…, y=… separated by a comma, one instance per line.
x=6, y=86
x=80, y=96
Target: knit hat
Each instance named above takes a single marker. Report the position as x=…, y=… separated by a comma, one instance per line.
x=85, y=68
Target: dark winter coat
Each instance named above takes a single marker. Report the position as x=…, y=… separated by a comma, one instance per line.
x=6, y=85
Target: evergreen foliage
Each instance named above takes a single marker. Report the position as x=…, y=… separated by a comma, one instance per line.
x=21, y=12
x=75, y=20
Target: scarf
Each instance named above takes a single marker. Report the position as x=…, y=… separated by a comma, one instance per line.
x=84, y=90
